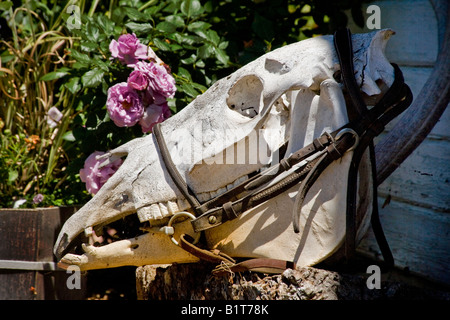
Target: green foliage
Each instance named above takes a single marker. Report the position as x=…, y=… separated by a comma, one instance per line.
x=33, y=62
x=173, y=29
x=253, y=28
x=45, y=64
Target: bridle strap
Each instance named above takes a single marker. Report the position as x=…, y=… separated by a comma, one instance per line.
x=171, y=168
x=227, y=265
x=343, y=45
x=395, y=101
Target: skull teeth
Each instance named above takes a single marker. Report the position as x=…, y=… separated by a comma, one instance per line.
x=155, y=211
x=88, y=232
x=172, y=207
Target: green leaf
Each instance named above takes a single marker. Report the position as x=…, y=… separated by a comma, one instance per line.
x=80, y=57
x=92, y=78
x=222, y=56
x=191, y=8
x=73, y=85
x=189, y=60
x=187, y=39
x=182, y=72
x=205, y=51
x=166, y=27
x=200, y=87
x=189, y=90
x=213, y=37
x=68, y=136
x=175, y=20
x=105, y=87
x=55, y=74
x=202, y=34
x=4, y=6
x=199, y=25
x=135, y=14
x=175, y=47
x=139, y=27
x=12, y=175
x=88, y=46
x=162, y=45
x=101, y=64
x=6, y=56
x=92, y=32
x=223, y=45
x=200, y=64
x=106, y=24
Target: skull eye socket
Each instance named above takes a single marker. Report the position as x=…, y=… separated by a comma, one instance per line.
x=245, y=97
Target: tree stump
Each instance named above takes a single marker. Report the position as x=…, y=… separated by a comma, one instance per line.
x=196, y=282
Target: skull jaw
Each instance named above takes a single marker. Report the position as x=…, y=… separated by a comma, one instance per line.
x=149, y=248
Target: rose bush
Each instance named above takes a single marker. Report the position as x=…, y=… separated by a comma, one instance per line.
x=142, y=99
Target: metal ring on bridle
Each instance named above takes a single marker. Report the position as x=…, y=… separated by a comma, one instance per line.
x=177, y=215
x=352, y=132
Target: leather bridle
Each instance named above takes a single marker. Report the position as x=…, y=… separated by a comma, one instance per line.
x=357, y=135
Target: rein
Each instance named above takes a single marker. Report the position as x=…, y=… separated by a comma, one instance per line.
x=364, y=125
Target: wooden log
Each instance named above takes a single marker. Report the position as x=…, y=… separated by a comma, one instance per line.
x=195, y=282
x=427, y=108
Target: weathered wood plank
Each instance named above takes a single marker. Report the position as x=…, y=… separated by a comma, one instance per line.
x=419, y=239
x=415, y=24
x=18, y=242
x=29, y=235
x=416, y=77
x=423, y=178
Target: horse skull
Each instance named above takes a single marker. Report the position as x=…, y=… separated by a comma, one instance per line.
x=289, y=94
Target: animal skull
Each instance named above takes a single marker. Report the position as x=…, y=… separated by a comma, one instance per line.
x=235, y=128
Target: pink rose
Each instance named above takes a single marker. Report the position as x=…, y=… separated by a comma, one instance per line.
x=138, y=80
x=38, y=198
x=124, y=105
x=129, y=50
x=96, y=177
x=161, y=81
x=155, y=78
x=154, y=114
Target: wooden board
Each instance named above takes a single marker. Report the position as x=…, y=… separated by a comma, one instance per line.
x=423, y=179
x=417, y=217
x=419, y=239
x=416, y=40
x=29, y=235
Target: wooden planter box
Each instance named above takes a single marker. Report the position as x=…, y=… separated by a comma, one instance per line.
x=28, y=268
